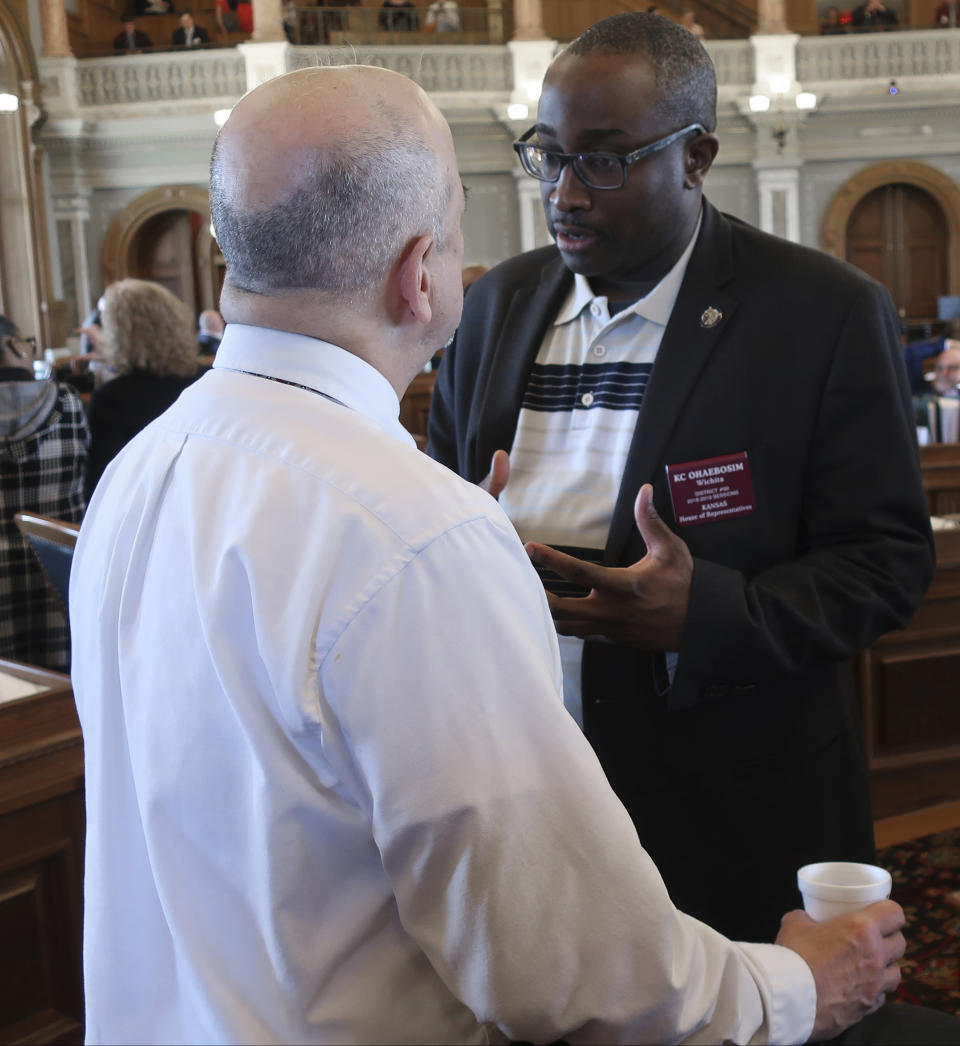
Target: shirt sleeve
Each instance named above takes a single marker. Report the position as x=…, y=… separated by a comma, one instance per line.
x=513, y=865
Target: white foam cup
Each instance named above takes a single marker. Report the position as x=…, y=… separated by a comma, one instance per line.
x=833, y=888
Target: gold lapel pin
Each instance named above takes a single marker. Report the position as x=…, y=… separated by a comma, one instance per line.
x=710, y=316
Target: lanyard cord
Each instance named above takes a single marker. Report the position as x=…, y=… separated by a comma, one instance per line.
x=283, y=381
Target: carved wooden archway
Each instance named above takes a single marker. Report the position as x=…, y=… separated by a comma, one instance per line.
x=125, y=225
x=939, y=185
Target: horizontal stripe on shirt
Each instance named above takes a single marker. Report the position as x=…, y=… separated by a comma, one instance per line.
x=561, y=387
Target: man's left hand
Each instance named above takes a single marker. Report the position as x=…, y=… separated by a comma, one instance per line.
x=642, y=605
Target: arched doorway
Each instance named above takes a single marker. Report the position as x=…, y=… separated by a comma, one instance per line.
x=898, y=234
x=164, y=235
x=878, y=213
x=175, y=248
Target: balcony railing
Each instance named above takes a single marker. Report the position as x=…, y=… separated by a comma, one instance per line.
x=439, y=70
x=152, y=78
x=220, y=73
x=919, y=53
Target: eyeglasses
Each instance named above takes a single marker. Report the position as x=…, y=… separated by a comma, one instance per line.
x=595, y=170
x=31, y=341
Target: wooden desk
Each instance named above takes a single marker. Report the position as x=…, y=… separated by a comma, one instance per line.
x=941, y=477
x=415, y=406
x=909, y=685
x=41, y=862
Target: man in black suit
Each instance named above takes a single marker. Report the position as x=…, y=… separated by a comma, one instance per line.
x=753, y=391
x=873, y=14
x=131, y=40
x=189, y=34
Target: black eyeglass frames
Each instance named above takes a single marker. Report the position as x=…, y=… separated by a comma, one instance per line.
x=31, y=341
x=596, y=170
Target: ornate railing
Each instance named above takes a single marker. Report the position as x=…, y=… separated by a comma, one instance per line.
x=733, y=60
x=484, y=68
x=155, y=78
x=438, y=70
x=878, y=55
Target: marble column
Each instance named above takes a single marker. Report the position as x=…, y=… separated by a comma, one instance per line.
x=531, y=59
x=268, y=22
x=533, y=226
x=778, y=189
x=263, y=61
x=494, y=21
x=528, y=20
x=771, y=16
x=56, y=39
x=71, y=212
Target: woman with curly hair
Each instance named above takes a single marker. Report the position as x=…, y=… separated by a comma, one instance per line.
x=148, y=339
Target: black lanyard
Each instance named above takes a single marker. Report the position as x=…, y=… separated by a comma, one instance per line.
x=283, y=381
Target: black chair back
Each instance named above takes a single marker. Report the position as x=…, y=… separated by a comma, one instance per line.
x=52, y=541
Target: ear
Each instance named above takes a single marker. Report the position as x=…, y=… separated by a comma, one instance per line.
x=700, y=154
x=415, y=278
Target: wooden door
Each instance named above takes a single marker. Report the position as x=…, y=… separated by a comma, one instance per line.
x=898, y=234
x=164, y=250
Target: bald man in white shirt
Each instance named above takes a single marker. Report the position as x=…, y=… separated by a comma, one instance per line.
x=333, y=794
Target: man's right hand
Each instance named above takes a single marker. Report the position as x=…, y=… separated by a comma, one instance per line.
x=854, y=961
x=496, y=479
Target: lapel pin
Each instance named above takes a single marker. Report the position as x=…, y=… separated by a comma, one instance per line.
x=710, y=316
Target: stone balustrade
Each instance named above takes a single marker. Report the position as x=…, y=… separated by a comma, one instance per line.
x=873, y=56
x=184, y=77
x=438, y=70
x=166, y=77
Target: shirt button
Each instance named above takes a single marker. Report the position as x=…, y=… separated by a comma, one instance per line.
x=595, y=309
x=587, y=399
x=599, y=351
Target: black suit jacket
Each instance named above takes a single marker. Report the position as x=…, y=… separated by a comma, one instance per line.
x=121, y=44
x=199, y=35
x=751, y=763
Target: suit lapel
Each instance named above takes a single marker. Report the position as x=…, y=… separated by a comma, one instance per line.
x=532, y=308
x=691, y=335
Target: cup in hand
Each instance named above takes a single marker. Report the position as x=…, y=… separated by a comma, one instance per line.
x=833, y=888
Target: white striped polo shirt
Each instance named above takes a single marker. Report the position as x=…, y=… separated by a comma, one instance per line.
x=576, y=424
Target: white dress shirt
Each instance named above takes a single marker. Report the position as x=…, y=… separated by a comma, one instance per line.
x=332, y=792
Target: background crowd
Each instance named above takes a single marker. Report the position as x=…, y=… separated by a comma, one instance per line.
x=60, y=429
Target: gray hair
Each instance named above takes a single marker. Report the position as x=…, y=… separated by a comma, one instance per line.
x=342, y=229
x=683, y=72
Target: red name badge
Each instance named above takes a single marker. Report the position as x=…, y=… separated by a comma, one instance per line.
x=712, y=489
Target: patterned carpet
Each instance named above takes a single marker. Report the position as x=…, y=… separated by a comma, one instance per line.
x=925, y=871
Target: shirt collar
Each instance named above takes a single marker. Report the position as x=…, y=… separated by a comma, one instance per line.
x=315, y=364
x=655, y=306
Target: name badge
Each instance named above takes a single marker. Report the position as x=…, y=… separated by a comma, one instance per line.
x=715, y=488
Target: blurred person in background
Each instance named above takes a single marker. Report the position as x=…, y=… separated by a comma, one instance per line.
x=234, y=17
x=43, y=453
x=130, y=40
x=189, y=34
x=443, y=16
x=209, y=331
x=148, y=339
x=689, y=22
x=946, y=370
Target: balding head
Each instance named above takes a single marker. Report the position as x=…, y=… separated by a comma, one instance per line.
x=321, y=176
x=210, y=322
x=947, y=368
